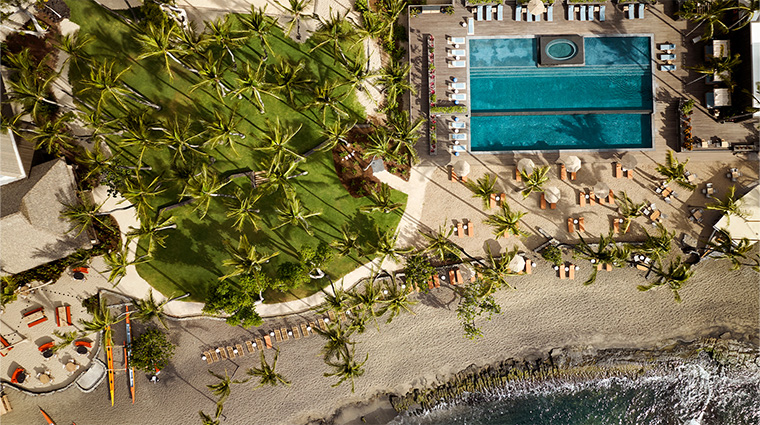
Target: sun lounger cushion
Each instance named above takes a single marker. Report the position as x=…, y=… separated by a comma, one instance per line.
x=570, y=12
x=583, y=11
x=518, y=12
x=666, y=46
x=629, y=15
x=458, y=124
x=500, y=12
x=457, y=52
x=458, y=136
x=667, y=56
x=458, y=96
x=480, y=13
x=458, y=86
x=550, y=13
x=470, y=26
x=670, y=67
x=489, y=12
x=601, y=12
x=591, y=13
x=457, y=64
x=456, y=40
x=641, y=10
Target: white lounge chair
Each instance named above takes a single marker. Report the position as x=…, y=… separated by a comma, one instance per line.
x=667, y=56
x=480, y=13
x=602, y=9
x=518, y=12
x=470, y=27
x=550, y=13
x=458, y=96
x=641, y=10
x=583, y=11
x=669, y=67
x=500, y=12
x=457, y=136
x=629, y=9
x=458, y=86
x=591, y=13
x=570, y=12
x=666, y=46
x=489, y=12
x=457, y=52
x=457, y=64
x=458, y=125
x=456, y=40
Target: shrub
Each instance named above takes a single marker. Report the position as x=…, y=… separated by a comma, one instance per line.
x=552, y=254
x=151, y=350
x=418, y=270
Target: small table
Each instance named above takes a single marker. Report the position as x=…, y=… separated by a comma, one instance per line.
x=44, y=378
x=31, y=318
x=47, y=353
x=71, y=366
x=78, y=276
x=82, y=349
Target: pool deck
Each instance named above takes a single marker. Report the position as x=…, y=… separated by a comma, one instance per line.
x=669, y=86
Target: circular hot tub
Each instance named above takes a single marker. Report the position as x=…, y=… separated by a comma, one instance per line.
x=561, y=49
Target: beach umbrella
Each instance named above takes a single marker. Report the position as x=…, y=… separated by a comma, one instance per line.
x=462, y=168
x=552, y=194
x=517, y=264
x=526, y=166
x=536, y=7
x=572, y=164
x=629, y=161
x=601, y=189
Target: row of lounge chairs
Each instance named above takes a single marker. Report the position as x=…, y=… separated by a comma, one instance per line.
x=486, y=12
x=529, y=17
x=630, y=10
x=586, y=12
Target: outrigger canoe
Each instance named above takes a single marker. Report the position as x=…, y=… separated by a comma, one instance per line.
x=47, y=418
x=127, y=353
x=109, y=357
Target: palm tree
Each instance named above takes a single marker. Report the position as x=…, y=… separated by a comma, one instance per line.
x=385, y=245
x=259, y=25
x=338, y=301
x=326, y=98
x=534, y=182
x=405, y=133
x=105, y=83
x=267, y=373
x=279, y=174
x=223, y=388
x=208, y=420
x=140, y=129
x=656, y=247
x=673, y=170
x=242, y=210
x=289, y=77
x=83, y=215
x=365, y=303
x=722, y=66
x=381, y=201
x=221, y=34
x=245, y=259
x=395, y=80
x=178, y=137
x=335, y=31
x=711, y=13
x=252, y=84
x=276, y=139
x=724, y=247
x=483, y=188
x=293, y=213
x=102, y=321
x=151, y=227
x=606, y=252
x=675, y=277
x=358, y=72
x=157, y=41
x=628, y=210
x=118, y=261
x=438, y=243
x=67, y=338
x=139, y=193
x=53, y=136
x=34, y=95
x=347, y=240
x=223, y=131
x=73, y=45
x=381, y=145
x=211, y=71
x=338, y=340
x=730, y=207
x=148, y=309
x=335, y=132
x=396, y=299
x=297, y=9
x=506, y=222
x=203, y=187
x=347, y=369
x=494, y=275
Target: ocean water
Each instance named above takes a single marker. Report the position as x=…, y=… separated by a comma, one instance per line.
x=690, y=395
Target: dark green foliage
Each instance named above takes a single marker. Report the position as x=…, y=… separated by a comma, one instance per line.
x=151, y=14
x=418, y=271
x=315, y=258
x=91, y=303
x=291, y=275
x=8, y=294
x=151, y=350
x=238, y=299
x=552, y=254
x=477, y=300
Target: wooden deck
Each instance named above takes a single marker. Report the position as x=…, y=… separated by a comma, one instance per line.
x=669, y=86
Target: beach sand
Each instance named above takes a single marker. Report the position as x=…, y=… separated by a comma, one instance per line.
x=416, y=350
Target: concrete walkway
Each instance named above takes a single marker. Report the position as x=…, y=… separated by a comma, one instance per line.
x=133, y=285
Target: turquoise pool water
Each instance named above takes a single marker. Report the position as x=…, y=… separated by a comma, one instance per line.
x=517, y=105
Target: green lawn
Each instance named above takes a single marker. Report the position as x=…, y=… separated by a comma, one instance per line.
x=192, y=260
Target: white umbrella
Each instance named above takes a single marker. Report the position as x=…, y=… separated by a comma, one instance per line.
x=601, y=189
x=526, y=166
x=536, y=7
x=551, y=194
x=517, y=264
x=462, y=168
x=572, y=164
x=628, y=161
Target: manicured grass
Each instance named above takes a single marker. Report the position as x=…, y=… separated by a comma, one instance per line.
x=192, y=260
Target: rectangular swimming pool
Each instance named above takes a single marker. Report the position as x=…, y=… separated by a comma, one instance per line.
x=604, y=104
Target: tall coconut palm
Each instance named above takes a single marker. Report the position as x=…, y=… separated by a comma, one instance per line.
x=385, y=244
x=607, y=252
x=675, y=171
x=656, y=247
x=105, y=82
x=326, y=98
x=381, y=145
x=396, y=300
x=722, y=246
x=84, y=214
x=140, y=129
x=152, y=228
x=280, y=173
x=336, y=301
x=334, y=31
x=335, y=132
x=34, y=95
x=267, y=373
x=506, y=222
x=494, y=275
x=722, y=66
x=211, y=71
x=291, y=212
x=220, y=33
x=535, y=181
x=245, y=260
x=149, y=309
x=338, y=340
x=259, y=25
x=483, y=188
x=347, y=369
x=223, y=388
x=381, y=201
x=629, y=210
x=347, y=240
x=276, y=139
x=158, y=41
x=712, y=14
x=208, y=420
x=367, y=304
x=102, y=321
x=297, y=11
x=395, y=80
x=405, y=133
x=139, y=192
x=179, y=137
x=222, y=131
x=117, y=262
x=242, y=209
x=730, y=207
x=54, y=136
x=289, y=77
x=189, y=41
x=675, y=277
x=438, y=243
x=358, y=72
x=252, y=83
x=73, y=45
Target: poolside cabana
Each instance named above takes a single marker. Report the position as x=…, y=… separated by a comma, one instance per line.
x=718, y=98
x=718, y=48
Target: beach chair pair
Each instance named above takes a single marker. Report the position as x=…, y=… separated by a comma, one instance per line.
x=552, y=205
x=457, y=52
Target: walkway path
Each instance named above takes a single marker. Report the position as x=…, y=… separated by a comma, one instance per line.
x=133, y=285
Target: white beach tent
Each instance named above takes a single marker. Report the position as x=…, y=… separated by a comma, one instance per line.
x=744, y=227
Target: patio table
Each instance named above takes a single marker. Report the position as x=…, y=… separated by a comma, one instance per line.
x=71, y=366
x=44, y=379
x=31, y=318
